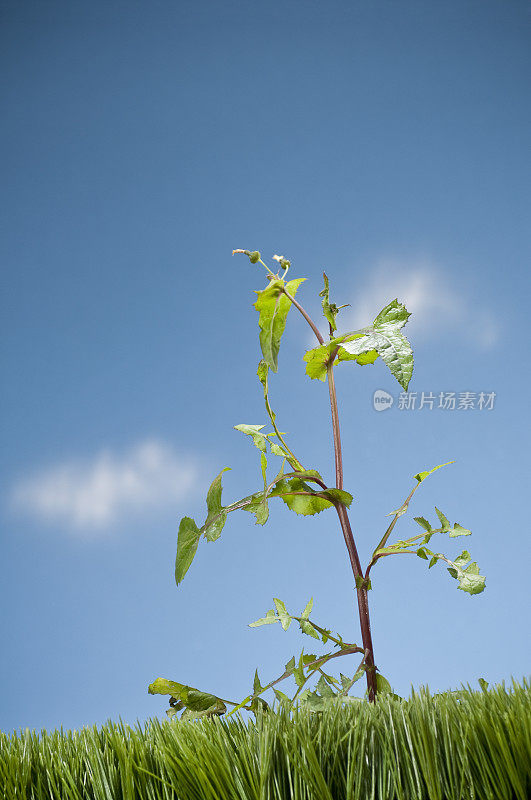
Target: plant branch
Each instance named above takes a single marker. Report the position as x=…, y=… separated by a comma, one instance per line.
x=402, y=510
x=306, y=316
x=363, y=603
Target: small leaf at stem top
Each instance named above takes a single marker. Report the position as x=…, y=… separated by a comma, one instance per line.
x=421, y=476
x=273, y=307
x=285, y=618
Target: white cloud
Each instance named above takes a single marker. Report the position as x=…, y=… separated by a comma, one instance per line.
x=101, y=491
x=435, y=302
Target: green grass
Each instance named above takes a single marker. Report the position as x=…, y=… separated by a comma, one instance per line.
x=443, y=747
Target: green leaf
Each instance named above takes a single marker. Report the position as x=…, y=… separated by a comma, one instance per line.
x=285, y=618
x=197, y=703
x=458, y=530
x=164, y=686
x=283, y=698
x=262, y=509
x=307, y=609
x=259, y=439
x=312, y=701
x=338, y=495
x=216, y=513
x=324, y=689
x=330, y=310
x=317, y=358
x=187, y=541
x=423, y=523
x=421, y=476
x=290, y=666
x=382, y=685
x=258, y=705
x=468, y=577
x=445, y=523
x=308, y=629
x=307, y=504
x=257, y=686
x=269, y=618
x=203, y=701
x=392, y=346
x=256, y=506
x=273, y=307
x=421, y=552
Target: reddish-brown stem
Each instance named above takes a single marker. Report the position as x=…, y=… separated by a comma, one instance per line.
x=363, y=602
x=306, y=316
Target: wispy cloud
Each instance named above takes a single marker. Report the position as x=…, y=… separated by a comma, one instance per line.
x=432, y=296
x=98, y=492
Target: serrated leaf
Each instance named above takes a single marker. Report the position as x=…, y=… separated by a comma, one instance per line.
x=308, y=629
x=256, y=506
x=273, y=307
x=392, y=346
x=187, y=541
x=285, y=618
x=467, y=574
x=257, y=686
x=421, y=476
x=458, y=530
x=307, y=609
x=324, y=689
x=463, y=559
x=306, y=504
x=278, y=450
x=259, y=439
x=298, y=675
x=269, y=618
x=290, y=666
x=283, y=698
x=317, y=358
x=312, y=701
x=423, y=523
x=445, y=522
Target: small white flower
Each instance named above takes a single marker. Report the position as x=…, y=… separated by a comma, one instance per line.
x=278, y=258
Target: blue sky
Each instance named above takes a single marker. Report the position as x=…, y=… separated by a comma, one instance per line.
x=385, y=142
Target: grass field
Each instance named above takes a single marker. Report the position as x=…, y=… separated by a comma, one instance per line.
x=453, y=746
